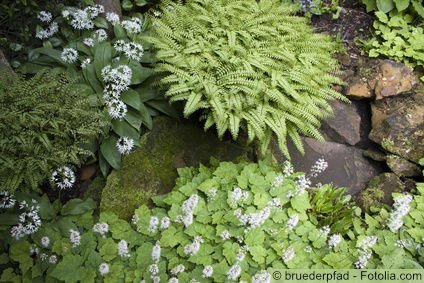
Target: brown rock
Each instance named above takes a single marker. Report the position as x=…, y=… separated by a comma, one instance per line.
x=395, y=78
x=87, y=172
x=359, y=90
x=374, y=154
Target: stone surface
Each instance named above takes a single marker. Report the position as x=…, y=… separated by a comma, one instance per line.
x=401, y=131
x=113, y=6
x=394, y=79
x=374, y=154
x=359, y=89
x=152, y=168
x=379, y=191
x=4, y=64
x=402, y=167
x=345, y=125
x=346, y=165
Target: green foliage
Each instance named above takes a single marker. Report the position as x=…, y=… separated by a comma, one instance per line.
x=246, y=65
x=399, y=30
x=317, y=7
x=45, y=123
x=231, y=224
x=94, y=41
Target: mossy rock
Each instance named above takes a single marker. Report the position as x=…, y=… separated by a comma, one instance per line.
x=152, y=169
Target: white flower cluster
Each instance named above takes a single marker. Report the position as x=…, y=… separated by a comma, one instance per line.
x=89, y=41
x=288, y=254
x=131, y=50
x=334, y=240
x=278, y=181
x=7, y=200
x=165, y=222
x=125, y=145
x=113, y=18
x=207, y=271
x=45, y=16
x=63, y=177
x=177, y=269
x=173, y=280
x=261, y=277
x=364, y=251
x=123, y=249
x=85, y=63
x=324, y=231
x=238, y=195
x=102, y=228
x=104, y=269
x=409, y=244
x=100, y=35
x=187, y=209
x=400, y=210
x=29, y=220
x=117, y=81
x=154, y=269
x=75, y=238
x=234, y=272
x=53, y=259
x=292, y=222
x=45, y=241
x=156, y=250
x=132, y=26
x=302, y=183
x=225, y=235
x=193, y=248
x=69, y=55
x=82, y=19
x=255, y=219
x=153, y=224
x=319, y=167
x=287, y=168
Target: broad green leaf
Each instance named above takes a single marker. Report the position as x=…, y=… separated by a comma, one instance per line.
x=102, y=57
x=110, y=152
x=78, y=206
x=140, y=73
x=69, y=269
x=385, y=5
x=101, y=22
x=108, y=249
x=123, y=129
x=401, y=4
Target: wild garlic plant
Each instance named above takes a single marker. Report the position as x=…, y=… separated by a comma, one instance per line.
x=241, y=222
x=112, y=63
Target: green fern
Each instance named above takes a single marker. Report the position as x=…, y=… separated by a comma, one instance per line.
x=45, y=123
x=248, y=65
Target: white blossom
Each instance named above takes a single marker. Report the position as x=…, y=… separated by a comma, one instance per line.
x=45, y=241
x=53, y=259
x=234, y=272
x=400, y=210
x=153, y=224
x=207, y=271
x=100, y=35
x=125, y=145
x=287, y=168
x=288, y=254
x=278, y=181
x=324, y=231
x=156, y=252
x=49, y=32
x=212, y=194
x=364, y=256
x=75, y=238
x=165, y=222
x=225, y=235
x=131, y=50
x=104, y=269
x=368, y=242
x=69, y=55
x=308, y=249
x=117, y=109
x=275, y=203
x=112, y=18
x=29, y=220
x=34, y=250
x=173, y=280
x=155, y=279
x=85, y=63
x=193, y=248
x=334, y=240
x=88, y=41
x=154, y=269
x=319, y=167
x=255, y=219
x=123, y=249
x=45, y=16
x=262, y=277
x=117, y=80
x=132, y=26
x=7, y=200
x=177, y=269
x=63, y=177
x=44, y=257
x=292, y=222
x=102, y=228
x=240, y=256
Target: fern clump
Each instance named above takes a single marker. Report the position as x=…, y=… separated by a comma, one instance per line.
x=45, y=123
x=247, y=64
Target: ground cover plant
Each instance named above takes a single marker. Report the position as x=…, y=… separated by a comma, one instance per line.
x=246, y=65
x=229, y=222
x=105, y=54
x=46, y=125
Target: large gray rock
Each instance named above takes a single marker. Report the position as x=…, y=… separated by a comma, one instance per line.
x=345, y=125
x=346, y=165
x=400, y=128
x=152, y=169
x=402, y=167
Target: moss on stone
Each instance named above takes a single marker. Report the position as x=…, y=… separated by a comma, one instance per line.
x=152, y=169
